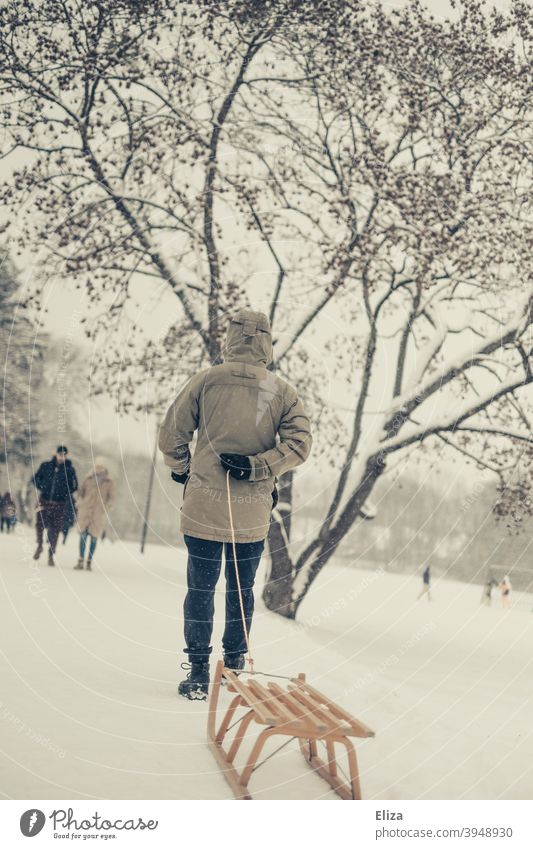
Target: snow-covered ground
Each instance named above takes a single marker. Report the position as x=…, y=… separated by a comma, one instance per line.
x=89, y=667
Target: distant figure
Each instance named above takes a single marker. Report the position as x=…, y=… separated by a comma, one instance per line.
x=8, y=512
x=70, y=519
x=56, y=481
x=426, y=582
x=506, y=588
x=95, y=497
x=487, y=592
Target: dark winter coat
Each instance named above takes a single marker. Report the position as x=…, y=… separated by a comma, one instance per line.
x=8, y=509
x=55, y=480
x=237, y=407
x=70, y=515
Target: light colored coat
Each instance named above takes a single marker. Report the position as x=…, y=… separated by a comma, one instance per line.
x=238, y=407
x=95, y=497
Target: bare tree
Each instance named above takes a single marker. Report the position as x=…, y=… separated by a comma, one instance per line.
x=374, y=163
x=130, y=113
x=145, y=161
x=411, y=173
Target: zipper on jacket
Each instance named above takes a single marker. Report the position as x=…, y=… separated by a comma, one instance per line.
x=52, y=491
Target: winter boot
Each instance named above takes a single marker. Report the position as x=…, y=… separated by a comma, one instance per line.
x=51, y=561
x=235, y=662
x=38, y=552
x=89, y=566
x=196, y=685
x=79, y=564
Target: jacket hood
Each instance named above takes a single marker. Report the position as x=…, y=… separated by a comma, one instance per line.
x=249, y=338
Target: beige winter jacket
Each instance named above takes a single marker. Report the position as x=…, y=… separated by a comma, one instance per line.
x=238, y=407
x=95, y=497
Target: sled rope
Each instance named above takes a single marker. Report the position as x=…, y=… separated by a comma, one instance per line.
x=238, y=581
x=255, y=673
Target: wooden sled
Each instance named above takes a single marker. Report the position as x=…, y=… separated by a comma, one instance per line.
x=299, y=711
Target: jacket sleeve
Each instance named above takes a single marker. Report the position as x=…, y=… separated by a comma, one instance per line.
x=37, y=479
x=179, y=424
x=294, y=442
x=73, y=482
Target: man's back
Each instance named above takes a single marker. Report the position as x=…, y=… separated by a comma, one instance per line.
x=241, y=409
x=238, y=407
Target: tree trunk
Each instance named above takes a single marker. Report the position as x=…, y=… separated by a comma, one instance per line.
x=313, y=560
x=277, y=593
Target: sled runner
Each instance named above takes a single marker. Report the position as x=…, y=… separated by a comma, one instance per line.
x=299, y=711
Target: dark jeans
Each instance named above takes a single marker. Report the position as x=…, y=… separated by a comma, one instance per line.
x=203, y=570
x=50, y=517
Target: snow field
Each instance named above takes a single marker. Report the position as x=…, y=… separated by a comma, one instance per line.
x=90, y=663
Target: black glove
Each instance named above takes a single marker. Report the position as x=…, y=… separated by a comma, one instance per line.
x=180, y=478
x=238, y=465
x=275, y=496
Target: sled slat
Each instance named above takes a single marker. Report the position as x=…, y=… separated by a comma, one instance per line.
x=270, y=700
x=263, y=714
x=303, y=715
x=359, y=729
x=334, y=724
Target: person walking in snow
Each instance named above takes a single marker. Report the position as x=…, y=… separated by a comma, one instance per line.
x=95, y=498
x=487, y=591
x=8, y=512
x=251, y=424
x=426, y=584
x=505, y=588
x=56, y=482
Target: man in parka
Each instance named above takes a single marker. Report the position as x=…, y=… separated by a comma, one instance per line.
x=249, y=422
x=55, y=480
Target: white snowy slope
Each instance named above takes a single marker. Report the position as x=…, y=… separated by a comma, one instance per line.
x=89, y=666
